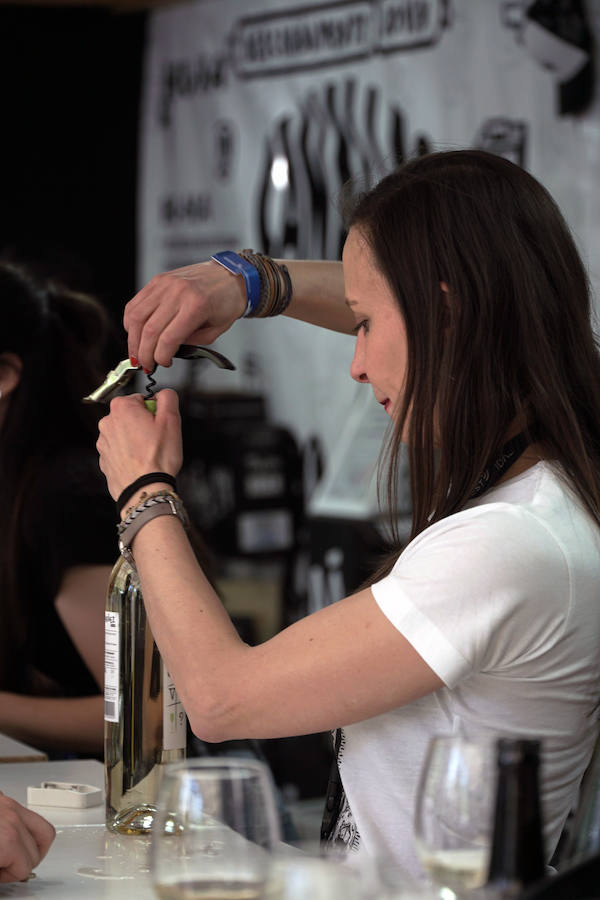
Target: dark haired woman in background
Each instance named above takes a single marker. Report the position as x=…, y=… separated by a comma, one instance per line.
x=56, y=517
x=471, y=311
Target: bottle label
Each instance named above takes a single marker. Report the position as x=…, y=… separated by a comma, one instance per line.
x=174, y=717
x=111, y=666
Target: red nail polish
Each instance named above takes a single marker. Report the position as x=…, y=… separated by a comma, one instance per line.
x=133, y=361
x=146, y=371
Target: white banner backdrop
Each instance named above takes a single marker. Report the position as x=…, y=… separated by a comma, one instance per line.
x=255, y=113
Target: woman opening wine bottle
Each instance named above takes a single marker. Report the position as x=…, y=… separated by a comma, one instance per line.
x=471, y=311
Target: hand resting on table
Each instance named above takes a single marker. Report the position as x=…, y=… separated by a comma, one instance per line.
x=25, y=838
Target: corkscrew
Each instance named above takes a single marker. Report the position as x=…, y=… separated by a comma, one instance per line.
x=150, y=385
x=122, y=374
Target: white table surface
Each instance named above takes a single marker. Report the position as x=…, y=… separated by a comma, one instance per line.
x=85, y=862
x=15, y=778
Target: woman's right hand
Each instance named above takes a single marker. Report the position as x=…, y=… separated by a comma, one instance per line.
x=191, y=305
x=24, y=840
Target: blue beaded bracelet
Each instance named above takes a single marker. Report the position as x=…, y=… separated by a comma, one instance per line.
x=239, y=266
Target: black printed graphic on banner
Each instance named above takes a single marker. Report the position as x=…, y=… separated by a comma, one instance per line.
x=557, y=35
x=346, y=131
x=404, y=25
x=316, y=36
x=180, y=208
x=224, y=148
x=185, y=78
x=504, y=137
x=302, y=38
x=275, y=43
x=183, y=214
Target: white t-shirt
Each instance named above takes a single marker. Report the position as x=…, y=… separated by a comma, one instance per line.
x=502, y=600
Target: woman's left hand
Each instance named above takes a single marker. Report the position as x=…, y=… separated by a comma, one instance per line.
x=134, y=442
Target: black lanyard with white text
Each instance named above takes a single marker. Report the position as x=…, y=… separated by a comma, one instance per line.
x=508, y=455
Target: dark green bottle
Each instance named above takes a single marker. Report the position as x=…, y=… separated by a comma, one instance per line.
x=517, y=855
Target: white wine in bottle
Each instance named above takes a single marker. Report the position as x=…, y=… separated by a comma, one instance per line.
x=144, y=722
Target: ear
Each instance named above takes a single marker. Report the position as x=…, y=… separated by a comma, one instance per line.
x=11, y=367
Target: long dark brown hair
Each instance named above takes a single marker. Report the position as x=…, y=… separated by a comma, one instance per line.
x=512, y=341
x=60, y=337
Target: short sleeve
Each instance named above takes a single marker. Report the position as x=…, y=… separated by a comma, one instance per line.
x=479, y=591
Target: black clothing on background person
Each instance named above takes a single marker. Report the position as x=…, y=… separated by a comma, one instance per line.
x=67, y=520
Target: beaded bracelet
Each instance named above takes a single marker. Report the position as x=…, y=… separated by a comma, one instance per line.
x=276, y=284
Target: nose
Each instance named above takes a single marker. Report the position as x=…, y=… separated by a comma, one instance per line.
x=357, y=366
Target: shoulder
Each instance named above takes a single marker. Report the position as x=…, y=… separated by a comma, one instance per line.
x=518, y=524
x=506, y=568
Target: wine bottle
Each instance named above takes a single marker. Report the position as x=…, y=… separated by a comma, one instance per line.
x=144, y=722
x=145, y=725
x=517, y=854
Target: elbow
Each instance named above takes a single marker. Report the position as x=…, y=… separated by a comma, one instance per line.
x=210, y=732
x=213, y=720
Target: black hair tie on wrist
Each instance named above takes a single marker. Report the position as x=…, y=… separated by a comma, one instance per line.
x=151, y=478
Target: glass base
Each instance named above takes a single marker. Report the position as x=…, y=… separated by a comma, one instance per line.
x=135, y=820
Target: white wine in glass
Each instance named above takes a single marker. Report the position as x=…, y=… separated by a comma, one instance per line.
x=201, y=890
x=215, y=830
x=453, y=815
x=457, y=869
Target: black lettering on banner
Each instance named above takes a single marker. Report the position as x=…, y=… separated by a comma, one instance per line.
x=224, y=147
x=316, y=36
x=177, y=209
x=410, y=23
x=187, y=77
x=303, y=38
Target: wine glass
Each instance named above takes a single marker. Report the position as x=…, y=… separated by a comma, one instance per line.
x=454, y=811
x=216, y=827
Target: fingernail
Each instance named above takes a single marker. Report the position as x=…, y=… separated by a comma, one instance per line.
x=133, y=361
x=146, y=371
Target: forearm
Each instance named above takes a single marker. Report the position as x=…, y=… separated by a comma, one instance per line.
x=197, y=640
x=59, y=723
x=197, y=303
x=318, y=294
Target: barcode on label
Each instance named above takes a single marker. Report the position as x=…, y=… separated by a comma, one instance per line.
x=111, y=666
